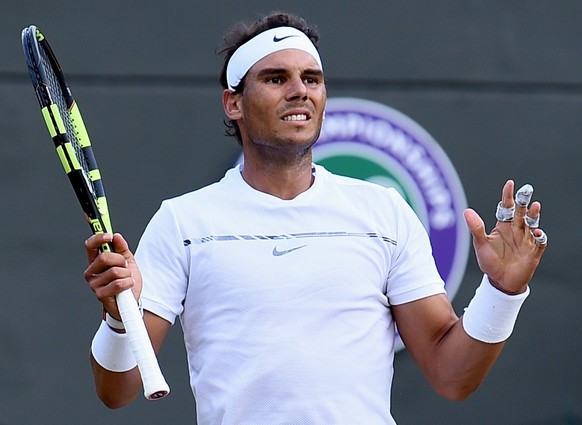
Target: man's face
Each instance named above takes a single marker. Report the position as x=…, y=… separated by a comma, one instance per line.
x=283, y=101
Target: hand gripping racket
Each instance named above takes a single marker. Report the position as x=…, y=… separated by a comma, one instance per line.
x=66, y=128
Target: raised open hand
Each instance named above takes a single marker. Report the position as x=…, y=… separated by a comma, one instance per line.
x=510, y=254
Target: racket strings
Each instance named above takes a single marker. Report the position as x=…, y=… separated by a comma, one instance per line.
x=34, y=71
x=57, y=97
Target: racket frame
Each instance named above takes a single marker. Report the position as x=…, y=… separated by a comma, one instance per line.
x=90, y=192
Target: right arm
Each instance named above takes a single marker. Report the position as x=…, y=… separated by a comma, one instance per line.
x=109, y=274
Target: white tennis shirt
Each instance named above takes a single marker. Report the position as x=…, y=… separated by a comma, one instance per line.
x=285, y=304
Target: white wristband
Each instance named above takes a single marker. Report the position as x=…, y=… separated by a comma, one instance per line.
x=118, y=324
x=113, y=322
x=491, y=314
x=112, y=350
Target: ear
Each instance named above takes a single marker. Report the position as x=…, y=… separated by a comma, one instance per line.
x=231, y=104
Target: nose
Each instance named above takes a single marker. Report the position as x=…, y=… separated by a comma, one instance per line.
x=297, y=89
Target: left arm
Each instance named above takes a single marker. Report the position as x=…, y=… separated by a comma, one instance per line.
x=454, y=362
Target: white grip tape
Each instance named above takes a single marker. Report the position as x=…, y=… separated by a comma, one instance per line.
x=154, y=384
x=491, y=314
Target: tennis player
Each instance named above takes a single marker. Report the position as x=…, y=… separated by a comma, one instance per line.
x=289, y=280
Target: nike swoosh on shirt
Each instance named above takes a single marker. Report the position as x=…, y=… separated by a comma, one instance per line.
x=278, y=253
x=277, y=39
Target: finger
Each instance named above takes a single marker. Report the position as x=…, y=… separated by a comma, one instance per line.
x=107, y=277
x=507, y=194
x=106, y=260
x=522, y=200
x=541, y=238
x=532, y=218
x=111, y=282
x=523, y=195
x=506, y=207
x=96, y=273
x=93, y=243
x=106, y=294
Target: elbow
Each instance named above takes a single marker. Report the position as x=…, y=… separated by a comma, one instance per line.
x=112, y=402
x=456, y=386
x=117, y=396
x=455, y=391
x=115, y=389
x=456, y=395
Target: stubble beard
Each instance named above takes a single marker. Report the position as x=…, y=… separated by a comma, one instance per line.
x=284, y=152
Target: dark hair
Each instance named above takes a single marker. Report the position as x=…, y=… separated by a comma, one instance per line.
x=242, y=32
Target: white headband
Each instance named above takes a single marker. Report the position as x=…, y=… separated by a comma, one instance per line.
x=264, y=44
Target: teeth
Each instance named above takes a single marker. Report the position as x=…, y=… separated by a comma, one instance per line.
x=299, y=117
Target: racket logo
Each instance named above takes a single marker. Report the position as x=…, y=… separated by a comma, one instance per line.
x=39, y=35
x=96, y=225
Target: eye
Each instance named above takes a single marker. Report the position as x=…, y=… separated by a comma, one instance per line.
x=312, y=78
x=275, y=80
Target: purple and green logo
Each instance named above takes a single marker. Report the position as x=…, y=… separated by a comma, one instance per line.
x=373, y=142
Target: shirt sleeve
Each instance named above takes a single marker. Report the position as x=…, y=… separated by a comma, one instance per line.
x=413, y=274
x=161, y=257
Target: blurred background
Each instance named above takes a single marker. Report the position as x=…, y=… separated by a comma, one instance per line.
x=497, y=83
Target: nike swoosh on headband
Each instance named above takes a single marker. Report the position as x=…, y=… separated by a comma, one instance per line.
x=278, y=253
x=277, y=39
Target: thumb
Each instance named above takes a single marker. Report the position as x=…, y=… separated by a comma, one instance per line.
x=475, y=224
x=122, y=247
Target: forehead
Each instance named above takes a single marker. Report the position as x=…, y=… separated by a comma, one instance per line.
x=286, y=59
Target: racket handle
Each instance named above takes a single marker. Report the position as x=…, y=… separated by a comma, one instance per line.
x=154, y=384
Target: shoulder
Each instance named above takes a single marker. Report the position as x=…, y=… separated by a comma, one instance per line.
x=359, y=188
x=380, y=203
x=220, y=189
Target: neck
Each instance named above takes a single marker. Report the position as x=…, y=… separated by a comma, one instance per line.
x=283, y=180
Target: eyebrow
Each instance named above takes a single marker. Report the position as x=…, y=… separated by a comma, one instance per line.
x=273, y=71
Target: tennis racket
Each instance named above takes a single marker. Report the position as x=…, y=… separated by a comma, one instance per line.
x=66, y=128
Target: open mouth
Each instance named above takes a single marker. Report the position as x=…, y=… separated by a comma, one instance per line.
x=296, y=117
